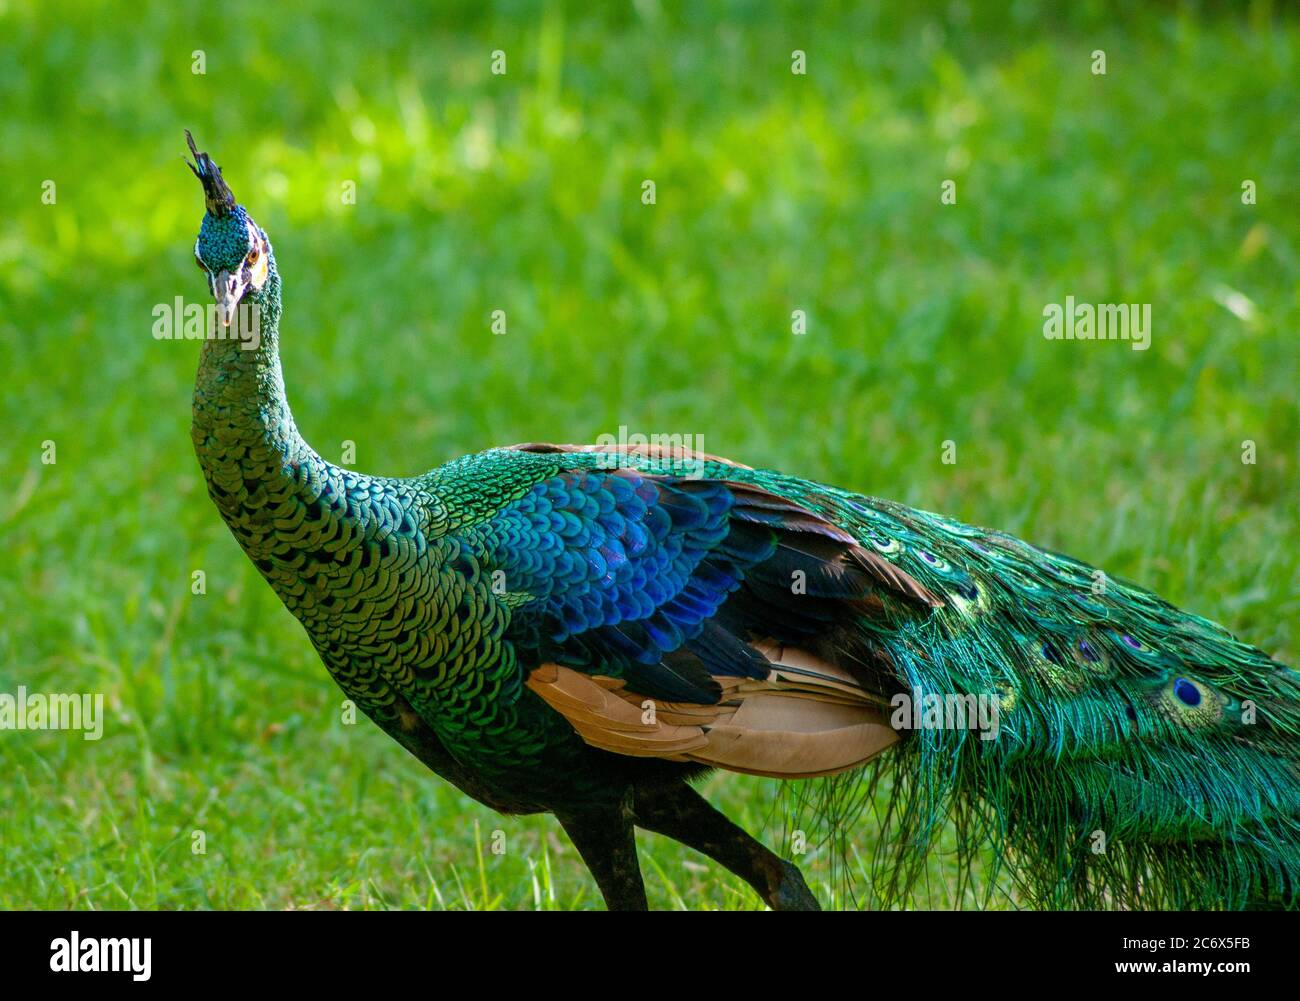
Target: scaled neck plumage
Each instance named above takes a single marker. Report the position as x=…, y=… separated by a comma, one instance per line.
x=245, y=436
x=239, y=392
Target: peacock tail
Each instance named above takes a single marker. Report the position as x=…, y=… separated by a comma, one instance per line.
x=551, y=627
x=1144, y=756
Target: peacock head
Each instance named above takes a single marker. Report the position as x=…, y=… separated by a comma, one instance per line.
x=232, y=250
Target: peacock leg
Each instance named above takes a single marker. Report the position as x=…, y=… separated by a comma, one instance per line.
x=606, y=840
x=679, y=812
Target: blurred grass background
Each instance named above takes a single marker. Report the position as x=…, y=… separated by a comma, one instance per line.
x=521, y=192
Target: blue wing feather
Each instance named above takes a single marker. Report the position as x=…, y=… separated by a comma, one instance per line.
x=633, y=575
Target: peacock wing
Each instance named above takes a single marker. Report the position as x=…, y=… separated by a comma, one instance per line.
x=706, y=620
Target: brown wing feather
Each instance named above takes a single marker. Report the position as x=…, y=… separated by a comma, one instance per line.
x=807, y=718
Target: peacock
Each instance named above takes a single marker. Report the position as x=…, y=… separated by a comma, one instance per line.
x=586, y=630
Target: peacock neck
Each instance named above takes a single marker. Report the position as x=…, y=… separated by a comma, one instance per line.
x=244, y=433
x=239, y=392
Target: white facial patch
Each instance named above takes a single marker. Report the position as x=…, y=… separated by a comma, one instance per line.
x=258, y=270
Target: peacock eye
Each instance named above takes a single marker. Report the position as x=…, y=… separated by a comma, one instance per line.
x=252, y=256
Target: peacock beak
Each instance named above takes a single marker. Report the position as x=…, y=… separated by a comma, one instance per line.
x=229, y=290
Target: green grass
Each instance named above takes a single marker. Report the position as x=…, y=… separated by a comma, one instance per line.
x=521, y=192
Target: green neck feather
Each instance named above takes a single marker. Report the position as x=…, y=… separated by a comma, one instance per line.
x=242, y=378
x=244, y=434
